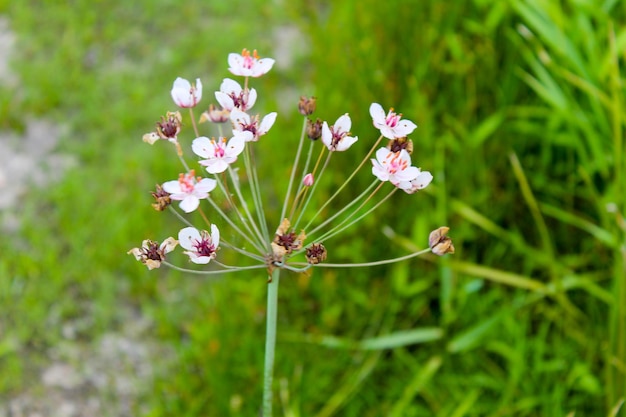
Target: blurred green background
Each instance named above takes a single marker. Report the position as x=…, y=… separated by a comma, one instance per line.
x=521, y=115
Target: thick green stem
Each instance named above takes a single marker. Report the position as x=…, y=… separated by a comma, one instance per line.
x=270, y=342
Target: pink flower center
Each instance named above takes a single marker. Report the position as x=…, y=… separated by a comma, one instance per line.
x=338, y=135
x=249, y=61
x=392, y=119
x=220, y=149
x=187, y=182
x=395, y=164
x=204, y=246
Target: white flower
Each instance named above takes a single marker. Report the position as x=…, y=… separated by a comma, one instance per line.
x=249, y=127
x=394, y=167
x=420, y=182
x=336, y=137
x=249, y=65
x=201, y=247
x=189, y=190
x=186, y=94
x=391, y=125
x=231, y=96
x=217, y=153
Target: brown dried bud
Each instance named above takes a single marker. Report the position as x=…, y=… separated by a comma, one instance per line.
x=162, y=198
x=314, y=129
x=306, y=105
x=316, y=253
x=439, y=243
x=396, y=145
x=215, y=115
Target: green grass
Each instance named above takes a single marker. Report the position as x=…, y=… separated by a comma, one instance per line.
x=520, y=108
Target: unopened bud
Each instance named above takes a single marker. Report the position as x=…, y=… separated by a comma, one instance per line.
x=314, y=129
x=306, y=105
x=439, y=243
x=215, y=115
x=308, y=180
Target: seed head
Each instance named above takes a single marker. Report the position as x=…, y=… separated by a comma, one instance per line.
x=439, y=243
x=314, y=129
x=162, y=198
x=307, y=105
x=316, y=253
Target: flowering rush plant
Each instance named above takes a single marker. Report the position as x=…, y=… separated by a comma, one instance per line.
x=212, y=183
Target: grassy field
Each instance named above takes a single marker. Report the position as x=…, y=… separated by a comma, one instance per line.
x=521, y=114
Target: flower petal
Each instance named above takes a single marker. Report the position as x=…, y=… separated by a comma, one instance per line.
x=202, y=146
x=188, y=236
x=189, y=203
x=378, y=114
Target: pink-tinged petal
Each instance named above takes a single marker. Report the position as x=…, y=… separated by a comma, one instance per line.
x=215, y=235
x=187, y=237
x=327, y=135
x=381, y=154
x=387, y=132
x=378, y=114
x=251, y=98
x=405, y=156
x=343, y=124
x=422, y=180
x=198, y=91
x=224, y=100
x=235, y=62
x=245, y=135
x=235, y=145
x=200, y=260
x=180, y=92
x=230, y=86
x=189, y=203
x=239, y=118
x=215, y=166
x=206, y=185
x=263, y=66
x=346, y=142
x=267, y=123
x=407, y=174
x=172, y=187
x=203, y=147
x=379, y=171
x=404, y=128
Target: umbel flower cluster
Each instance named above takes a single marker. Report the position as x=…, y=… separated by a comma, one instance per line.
x=220, y=181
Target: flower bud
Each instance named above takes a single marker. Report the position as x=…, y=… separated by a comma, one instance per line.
x=314, y=129
x=308, y=180
x=215, y=115
x=439, y=243
x=306, y=105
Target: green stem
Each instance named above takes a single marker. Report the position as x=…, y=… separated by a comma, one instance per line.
x=270, y=342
